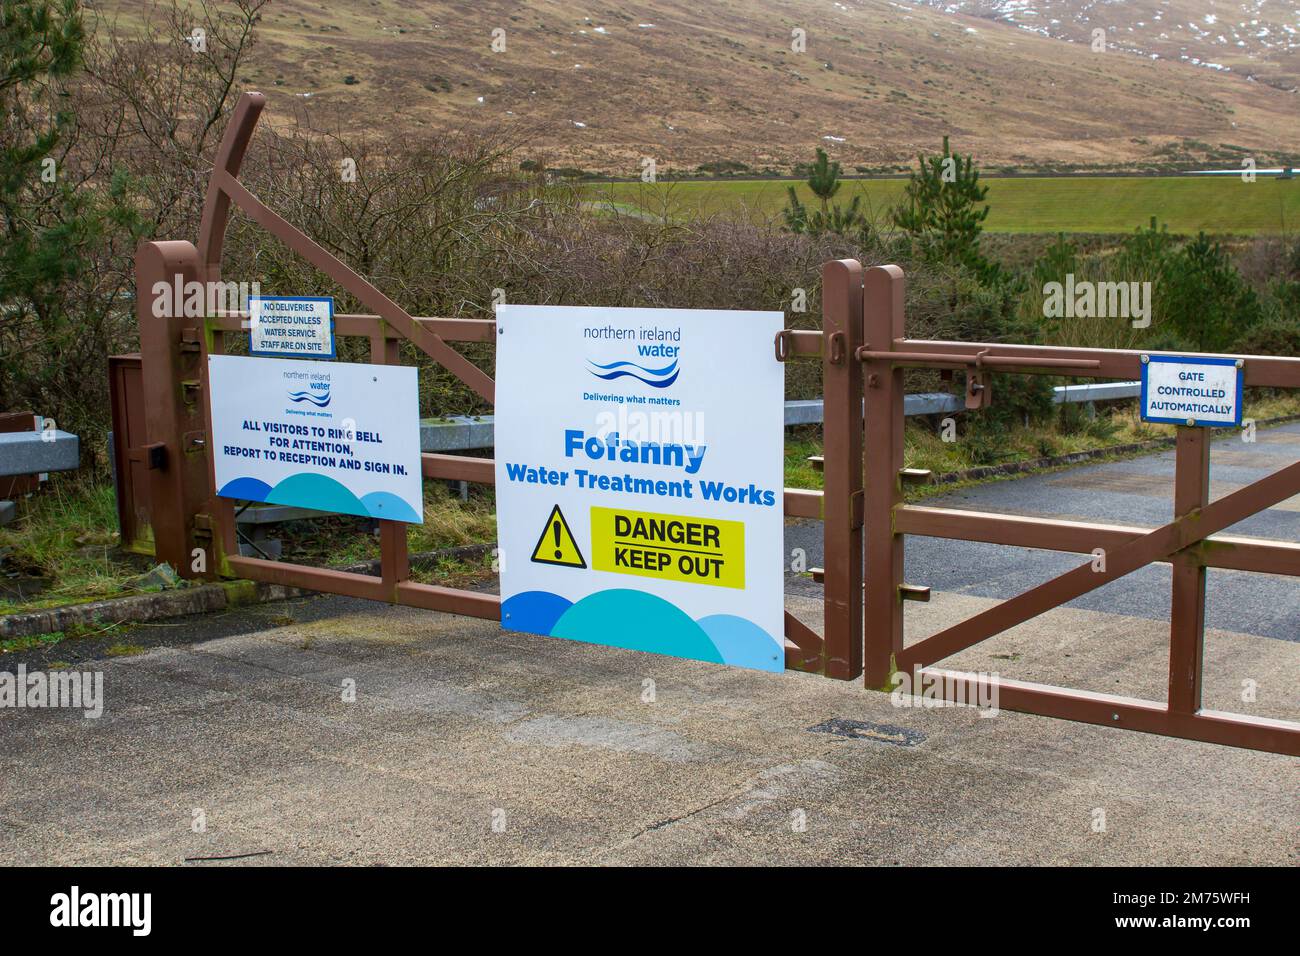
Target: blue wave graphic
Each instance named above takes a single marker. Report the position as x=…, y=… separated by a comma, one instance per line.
x=653, y=384
x=385, y=504
x=534, y=612
x=649, y=371
x=245, y=489
x=322, y=493
x=624, y=369
x=638, y=621
x=320, y=401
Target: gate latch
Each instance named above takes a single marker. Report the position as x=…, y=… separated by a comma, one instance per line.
x=835, y=348
x=783, y=343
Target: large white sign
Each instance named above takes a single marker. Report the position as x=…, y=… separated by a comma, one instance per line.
x=639, y=473
x=325, y=435
x=1191, y=390
x=300, y=325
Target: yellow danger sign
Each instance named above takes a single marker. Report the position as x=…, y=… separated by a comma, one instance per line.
x=556, y=544
x=668, y=547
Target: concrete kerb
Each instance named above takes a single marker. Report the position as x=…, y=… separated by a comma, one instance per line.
x=181, y=602
x=140, y=608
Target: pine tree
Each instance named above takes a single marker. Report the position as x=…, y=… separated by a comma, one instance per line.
x=40, y=48
x=824, y=178
x=941, y=213
x=824, y=181
x=56, y=219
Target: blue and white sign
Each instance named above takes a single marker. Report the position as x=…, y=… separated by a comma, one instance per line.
x=292, y=326
x=639, y=474
x=1192, y=390
x=326, y=435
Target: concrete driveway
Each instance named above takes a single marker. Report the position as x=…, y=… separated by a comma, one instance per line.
x=467, y=744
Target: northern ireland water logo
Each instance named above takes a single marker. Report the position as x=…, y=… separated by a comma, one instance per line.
x=317, y=393
x=660, y=376
x=655, y=346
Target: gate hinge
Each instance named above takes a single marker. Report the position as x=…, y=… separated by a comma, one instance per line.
x=202, y=526
x=857, y=509
x=153, y=456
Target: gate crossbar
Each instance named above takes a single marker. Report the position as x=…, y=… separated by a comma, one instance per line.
x=1159, y=544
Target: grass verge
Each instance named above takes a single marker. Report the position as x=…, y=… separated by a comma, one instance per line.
x=1115, y=205
x=64, y=542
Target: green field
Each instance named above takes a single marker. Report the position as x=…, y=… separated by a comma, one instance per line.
x=1221, y=204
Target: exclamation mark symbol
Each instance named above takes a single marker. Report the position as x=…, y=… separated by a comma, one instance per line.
x=555, y=530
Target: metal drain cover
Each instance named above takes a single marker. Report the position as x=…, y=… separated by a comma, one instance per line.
x=865, y=730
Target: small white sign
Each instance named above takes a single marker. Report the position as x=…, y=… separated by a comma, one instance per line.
x=332, y=436
x=1191, y=390
x=301, y=326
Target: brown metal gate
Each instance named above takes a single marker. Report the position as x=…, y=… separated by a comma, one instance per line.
x=863, y=351
x=188, y=519
x=1192, y=542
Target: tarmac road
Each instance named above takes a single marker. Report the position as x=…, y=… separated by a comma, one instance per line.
x=1137, y=492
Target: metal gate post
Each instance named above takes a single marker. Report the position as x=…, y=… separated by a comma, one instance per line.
x=882, y=309
x=394, y=556
x=1187, y=610
x=171, y=350
x=842, y=496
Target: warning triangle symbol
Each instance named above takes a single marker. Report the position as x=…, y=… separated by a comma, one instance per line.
x=557, y=545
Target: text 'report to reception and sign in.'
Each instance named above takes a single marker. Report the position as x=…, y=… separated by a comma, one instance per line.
x=1193, y=390
x=639, y=469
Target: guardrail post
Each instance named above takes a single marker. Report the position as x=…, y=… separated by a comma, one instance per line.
x=175, y=427
x=1187, y=610
x=882, y=309
x=842, y=439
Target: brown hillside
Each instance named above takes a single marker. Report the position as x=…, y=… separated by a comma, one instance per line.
x=601, y=85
